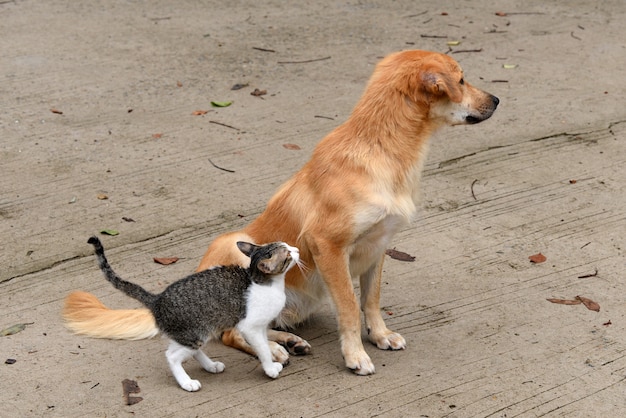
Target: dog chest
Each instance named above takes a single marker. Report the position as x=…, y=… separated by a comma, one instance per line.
x=369, y=246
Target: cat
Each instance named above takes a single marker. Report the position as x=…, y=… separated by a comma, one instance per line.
x=201, y=306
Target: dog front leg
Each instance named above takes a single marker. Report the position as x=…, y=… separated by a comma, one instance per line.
x=377, y=331
x=333, y=267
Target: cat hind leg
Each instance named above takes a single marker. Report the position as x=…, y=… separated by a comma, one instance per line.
x=176, y=354
x=208, y=364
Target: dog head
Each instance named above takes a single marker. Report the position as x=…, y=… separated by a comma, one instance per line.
x=434, y=83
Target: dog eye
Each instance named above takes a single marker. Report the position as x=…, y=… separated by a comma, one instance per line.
x=462, y=81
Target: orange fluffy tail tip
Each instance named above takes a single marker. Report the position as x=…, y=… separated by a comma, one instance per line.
x=85, y=314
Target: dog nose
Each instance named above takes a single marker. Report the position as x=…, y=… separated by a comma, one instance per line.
x=495, y=100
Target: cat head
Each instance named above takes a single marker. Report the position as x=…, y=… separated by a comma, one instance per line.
x=270, y=259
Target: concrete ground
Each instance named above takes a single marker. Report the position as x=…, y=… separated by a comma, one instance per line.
x=97, y=126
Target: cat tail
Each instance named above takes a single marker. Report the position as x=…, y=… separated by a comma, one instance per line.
x=131, y=289
x=85, y=314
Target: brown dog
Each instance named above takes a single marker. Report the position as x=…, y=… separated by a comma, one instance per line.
x=341, y=209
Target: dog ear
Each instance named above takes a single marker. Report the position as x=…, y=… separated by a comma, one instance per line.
x=438, y=84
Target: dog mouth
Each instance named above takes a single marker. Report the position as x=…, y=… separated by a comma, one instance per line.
x=473, y=119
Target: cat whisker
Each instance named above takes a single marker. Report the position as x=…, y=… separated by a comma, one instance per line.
x=304, y=269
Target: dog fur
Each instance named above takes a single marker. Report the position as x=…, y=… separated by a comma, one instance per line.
x=341, y=209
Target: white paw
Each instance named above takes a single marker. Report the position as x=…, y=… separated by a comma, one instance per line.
x=273, y=369
x=389, y=341
x=191, y=385
x=361, y=364
x=216, y=367
x=279, y=353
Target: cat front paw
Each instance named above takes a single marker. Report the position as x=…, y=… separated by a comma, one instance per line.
x=273, y=369
x=191, y=385
x=216, y=367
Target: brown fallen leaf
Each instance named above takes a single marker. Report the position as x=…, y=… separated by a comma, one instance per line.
x=58, y=112
x=537, y=258
x=501, y=14
x=565, y=301
x=102, y=196
x=200, y=112
x=128, y=387
x=589, y=304
x=292, y=146
x=165, y=260
x=399, y=255
x=258, y=92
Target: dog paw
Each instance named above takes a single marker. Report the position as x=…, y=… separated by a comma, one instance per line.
x=191, y=385
x=389, y=341
x=279, y=353
x=273, y=369
x=297, y=346
x=361, y=365
x=294, y=344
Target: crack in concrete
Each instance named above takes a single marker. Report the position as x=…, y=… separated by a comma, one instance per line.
x=609, y=129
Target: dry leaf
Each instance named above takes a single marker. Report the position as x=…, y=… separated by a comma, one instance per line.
x=292, y=146
x=500, y=14
x=258, y=92
x=565, y=301
x=399, y=255
x=102, y=196
x=165, y=260
x=589, y=304
x=537, y=258
x=58, y=112
x=14, y=329
x=200, y=112
x=128, y=387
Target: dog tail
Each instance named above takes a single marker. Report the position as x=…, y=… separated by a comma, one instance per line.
x=85, y=314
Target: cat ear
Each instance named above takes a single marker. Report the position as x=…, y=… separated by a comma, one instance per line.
x=266, y=267
x=246, y=247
